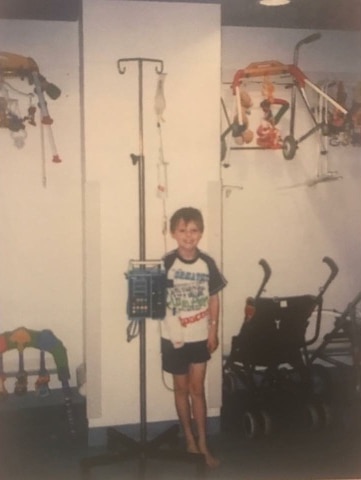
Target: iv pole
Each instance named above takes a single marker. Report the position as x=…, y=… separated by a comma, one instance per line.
x=144, y=448
x=142, y=229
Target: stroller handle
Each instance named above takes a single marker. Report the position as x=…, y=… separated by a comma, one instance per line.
x=318, y=301
x=334, y=271
x=266, y=276
x=332, y=265
x=266, y=268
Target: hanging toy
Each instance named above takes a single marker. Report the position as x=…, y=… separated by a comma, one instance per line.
x=268, y=89
x=268, y=135
x=240, y=131
x=12, y=66
x=355, y=116
x=337, y=119
x=10, y=116
x=31, y=115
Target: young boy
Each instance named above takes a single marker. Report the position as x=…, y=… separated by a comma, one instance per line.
x=190, y=329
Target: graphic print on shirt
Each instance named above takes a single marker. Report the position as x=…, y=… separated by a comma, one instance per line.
x=189, y=294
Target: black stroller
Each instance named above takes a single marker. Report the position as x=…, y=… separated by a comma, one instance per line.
x=268, y=370
x=340, y=351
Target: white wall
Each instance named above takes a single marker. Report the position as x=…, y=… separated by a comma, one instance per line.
x=186, y=38
x=40, y=224
x=270, y=212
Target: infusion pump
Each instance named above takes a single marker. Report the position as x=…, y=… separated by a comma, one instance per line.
x=147, y=289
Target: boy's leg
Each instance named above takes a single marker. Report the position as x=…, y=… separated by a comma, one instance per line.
x=197, y=375
x=183, y=407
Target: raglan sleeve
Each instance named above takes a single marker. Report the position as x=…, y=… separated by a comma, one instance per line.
x=216, y=279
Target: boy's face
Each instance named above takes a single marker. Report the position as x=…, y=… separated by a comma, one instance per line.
x=187, y=235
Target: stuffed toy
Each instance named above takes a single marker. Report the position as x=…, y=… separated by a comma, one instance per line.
x=268, y=136
x=240, y=131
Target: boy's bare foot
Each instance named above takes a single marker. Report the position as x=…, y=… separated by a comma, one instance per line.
x=211, y=460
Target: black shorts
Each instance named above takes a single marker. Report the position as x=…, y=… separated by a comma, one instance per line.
x=178, y=360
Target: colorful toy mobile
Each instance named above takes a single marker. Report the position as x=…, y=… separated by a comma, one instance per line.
x=268, y=134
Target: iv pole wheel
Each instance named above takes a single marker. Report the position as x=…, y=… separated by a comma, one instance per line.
x=289, y=147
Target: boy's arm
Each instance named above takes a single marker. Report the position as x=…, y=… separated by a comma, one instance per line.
x=213, y=323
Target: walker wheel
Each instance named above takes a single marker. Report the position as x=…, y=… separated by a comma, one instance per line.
x=289, y=147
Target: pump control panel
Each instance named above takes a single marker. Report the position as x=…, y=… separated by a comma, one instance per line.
x=147, y=289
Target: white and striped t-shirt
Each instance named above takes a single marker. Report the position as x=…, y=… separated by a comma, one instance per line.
x=190, y=284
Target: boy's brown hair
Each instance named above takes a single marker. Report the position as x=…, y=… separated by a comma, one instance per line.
x=188, y=214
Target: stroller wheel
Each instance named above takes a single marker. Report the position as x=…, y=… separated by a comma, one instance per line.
x=312, y=416
x=252, y=425
x=266, y=423
x=230, y=382
x=326, y=414
x=321, y=382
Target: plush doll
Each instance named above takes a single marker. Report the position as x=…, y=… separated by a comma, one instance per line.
x=268, y=136
x=240, y=131
x=267, y=133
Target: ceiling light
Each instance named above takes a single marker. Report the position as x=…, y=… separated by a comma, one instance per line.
x=274, y=3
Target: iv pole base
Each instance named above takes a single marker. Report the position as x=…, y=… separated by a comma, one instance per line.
x=122, y=448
